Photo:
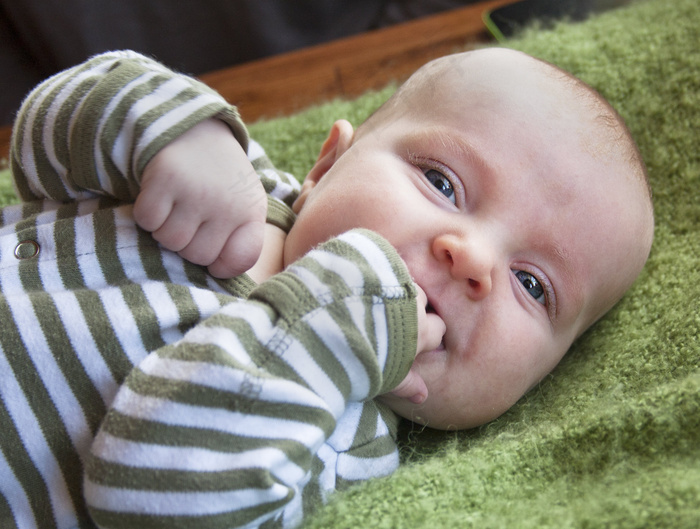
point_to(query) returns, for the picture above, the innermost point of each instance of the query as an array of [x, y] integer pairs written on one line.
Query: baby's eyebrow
[[452, 141]]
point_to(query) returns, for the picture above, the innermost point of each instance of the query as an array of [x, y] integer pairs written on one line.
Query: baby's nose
[[467, 260]]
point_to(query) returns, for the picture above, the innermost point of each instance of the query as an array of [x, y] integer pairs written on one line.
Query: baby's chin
[[431, 415], [400, 406], [438, 413], [422, 414]]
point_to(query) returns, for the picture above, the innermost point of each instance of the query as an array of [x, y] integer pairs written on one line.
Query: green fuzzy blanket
[[612, 437]]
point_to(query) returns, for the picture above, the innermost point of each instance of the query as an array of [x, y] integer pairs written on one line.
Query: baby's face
[[511, 213]]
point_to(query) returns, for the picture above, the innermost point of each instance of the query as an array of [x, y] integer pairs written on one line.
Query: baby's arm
[[225, 427], [102, 127], [91, 130]]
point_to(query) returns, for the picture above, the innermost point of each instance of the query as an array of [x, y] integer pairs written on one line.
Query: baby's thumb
[[412, 388]]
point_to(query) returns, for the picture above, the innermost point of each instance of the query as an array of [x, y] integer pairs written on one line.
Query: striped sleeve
[[93, 128], [225, 428], [282, 188]]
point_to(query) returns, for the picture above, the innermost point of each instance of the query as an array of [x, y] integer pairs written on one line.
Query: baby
[[435, 264], [520, 205], [516, 197]]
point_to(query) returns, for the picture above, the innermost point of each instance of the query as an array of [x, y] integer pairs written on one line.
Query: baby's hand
[[431, 329], [200, 197]]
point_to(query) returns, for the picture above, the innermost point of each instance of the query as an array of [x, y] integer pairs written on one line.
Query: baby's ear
[[338, 141]]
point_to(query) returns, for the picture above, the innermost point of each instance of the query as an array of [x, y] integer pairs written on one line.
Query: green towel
[[612, 437]]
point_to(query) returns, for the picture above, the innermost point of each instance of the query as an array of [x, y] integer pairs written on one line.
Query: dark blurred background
[[41, 37]]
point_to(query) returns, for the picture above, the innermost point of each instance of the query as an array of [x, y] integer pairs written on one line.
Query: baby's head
[[519, 203]]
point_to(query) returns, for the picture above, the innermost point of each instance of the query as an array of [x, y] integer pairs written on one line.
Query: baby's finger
[[151, 210], [412, 388], [240, 252], [431, 330], [421, 298], [206, 243], [177, 231]]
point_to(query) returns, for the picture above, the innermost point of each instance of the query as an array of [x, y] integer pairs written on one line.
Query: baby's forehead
[[503, 73], [524, 87]]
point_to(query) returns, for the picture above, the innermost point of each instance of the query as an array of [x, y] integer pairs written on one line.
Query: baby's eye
[[441, 183], [532, 285]]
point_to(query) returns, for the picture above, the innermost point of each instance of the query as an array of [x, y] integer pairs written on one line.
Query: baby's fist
[[200, 197]]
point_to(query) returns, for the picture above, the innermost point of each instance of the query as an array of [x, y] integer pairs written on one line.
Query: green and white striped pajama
[[138, 391]]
